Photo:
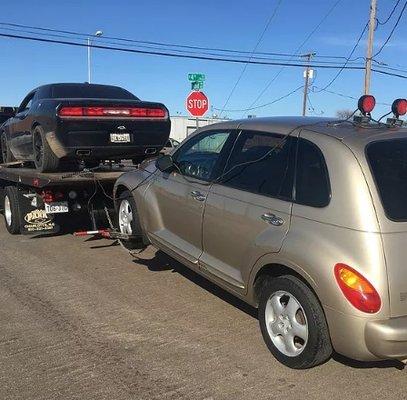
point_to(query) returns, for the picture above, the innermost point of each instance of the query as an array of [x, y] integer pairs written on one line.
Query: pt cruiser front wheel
[[128, 221], [293, 323]]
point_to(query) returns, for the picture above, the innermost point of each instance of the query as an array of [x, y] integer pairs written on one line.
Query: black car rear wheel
[[44, 158], [6, 155]]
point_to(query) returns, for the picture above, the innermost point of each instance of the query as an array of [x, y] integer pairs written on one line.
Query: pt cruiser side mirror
[[165, 163]]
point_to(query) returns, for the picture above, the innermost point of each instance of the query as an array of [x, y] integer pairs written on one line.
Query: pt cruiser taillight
[[357, 289], [113, 112]]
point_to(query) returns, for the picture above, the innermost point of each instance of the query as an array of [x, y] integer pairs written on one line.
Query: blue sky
[[227, 24]]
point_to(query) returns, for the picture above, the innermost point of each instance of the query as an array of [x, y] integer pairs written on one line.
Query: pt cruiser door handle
[[272, 219], [198, 195]]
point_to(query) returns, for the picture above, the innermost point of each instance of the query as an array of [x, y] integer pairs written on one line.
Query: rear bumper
[[387, 338], [96, 145], [367, 339], [110, 152]]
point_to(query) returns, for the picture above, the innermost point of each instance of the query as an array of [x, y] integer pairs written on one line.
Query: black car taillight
[[120, 112]]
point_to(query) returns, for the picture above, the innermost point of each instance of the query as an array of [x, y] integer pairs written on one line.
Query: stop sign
[[197, 104]]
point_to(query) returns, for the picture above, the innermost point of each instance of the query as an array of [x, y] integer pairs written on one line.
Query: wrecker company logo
[[38, 220]]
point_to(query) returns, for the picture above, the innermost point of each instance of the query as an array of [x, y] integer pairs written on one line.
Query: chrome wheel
[[286, 323], [7, 210], [125, 217]]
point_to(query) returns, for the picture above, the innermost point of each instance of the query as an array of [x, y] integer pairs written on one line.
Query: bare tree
[[344, 114]]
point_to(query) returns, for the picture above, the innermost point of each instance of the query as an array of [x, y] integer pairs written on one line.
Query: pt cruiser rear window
[[388, 162]]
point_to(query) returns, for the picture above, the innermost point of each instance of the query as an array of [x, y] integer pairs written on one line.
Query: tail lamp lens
[[126, 112], [399, 107], [357, 289], [70, 112], [366, 104]]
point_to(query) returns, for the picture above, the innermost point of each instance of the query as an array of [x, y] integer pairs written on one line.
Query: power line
[[273, 14], [345, 65], [184, 56], [324, 18], [167, 54], [345, 95], [140, 43], [393, 30], [266, 104], [389, 73], [384, 65], [390, 15], [101, 41], [153, 43]]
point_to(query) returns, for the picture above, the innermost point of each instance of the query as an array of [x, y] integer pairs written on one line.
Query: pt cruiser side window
[[312, 180], [200, 156], [262, 163]]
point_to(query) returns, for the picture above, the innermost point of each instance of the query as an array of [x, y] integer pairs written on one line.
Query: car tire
[[44, 158], [128, 221], [11, 210], [293, 323], [6, 155]]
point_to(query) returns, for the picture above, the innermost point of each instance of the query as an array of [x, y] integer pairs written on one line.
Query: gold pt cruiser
[[303, 218]]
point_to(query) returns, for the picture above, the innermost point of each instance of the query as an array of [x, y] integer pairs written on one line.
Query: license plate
[[120, 137], [56, 208]]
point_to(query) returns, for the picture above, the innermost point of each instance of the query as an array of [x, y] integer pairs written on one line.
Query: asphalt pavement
[[81, 319]]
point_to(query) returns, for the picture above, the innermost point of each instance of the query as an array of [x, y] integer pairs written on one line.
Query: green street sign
[[196, 77], [196, 85]]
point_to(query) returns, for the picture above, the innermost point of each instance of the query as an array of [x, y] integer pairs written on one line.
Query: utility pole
[[369, 53], [89, 68], [89, 46], [307, 74]]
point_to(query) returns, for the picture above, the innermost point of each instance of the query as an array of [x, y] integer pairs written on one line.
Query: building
[[182, 125]]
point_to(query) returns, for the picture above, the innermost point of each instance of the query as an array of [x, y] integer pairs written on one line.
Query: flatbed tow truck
[[35, 203]]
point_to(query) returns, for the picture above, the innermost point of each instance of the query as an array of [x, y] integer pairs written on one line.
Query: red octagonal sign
[[197, 104]]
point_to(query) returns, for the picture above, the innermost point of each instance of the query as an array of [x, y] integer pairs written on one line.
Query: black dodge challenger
[[80, 121]]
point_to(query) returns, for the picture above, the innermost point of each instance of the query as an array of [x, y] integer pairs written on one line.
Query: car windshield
[[91, 92], [388, 162]]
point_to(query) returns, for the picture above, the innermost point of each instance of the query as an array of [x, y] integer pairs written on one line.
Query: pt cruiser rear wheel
[[293, 323]]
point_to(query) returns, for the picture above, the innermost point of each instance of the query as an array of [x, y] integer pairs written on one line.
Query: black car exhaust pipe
[[83, 153], [150, 150]]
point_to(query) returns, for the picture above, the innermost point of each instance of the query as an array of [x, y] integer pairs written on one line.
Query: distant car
[[78, 121], [6, 113], [304, 218], [170, 145]]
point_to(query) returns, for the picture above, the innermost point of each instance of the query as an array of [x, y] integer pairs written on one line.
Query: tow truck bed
[[34, 202], [14, 172]]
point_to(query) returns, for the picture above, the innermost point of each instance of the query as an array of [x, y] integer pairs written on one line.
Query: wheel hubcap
[[125, 217], [7, 210], [286, 323]]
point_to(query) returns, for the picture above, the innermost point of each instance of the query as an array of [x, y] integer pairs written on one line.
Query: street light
[[97, 34]]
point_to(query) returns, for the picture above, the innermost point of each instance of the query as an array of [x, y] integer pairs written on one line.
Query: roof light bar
[[399, 107], [366, 104]]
